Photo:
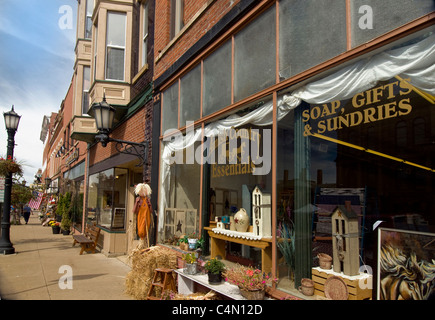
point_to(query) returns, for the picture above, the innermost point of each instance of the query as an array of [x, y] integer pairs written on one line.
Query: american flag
[[36, 201]]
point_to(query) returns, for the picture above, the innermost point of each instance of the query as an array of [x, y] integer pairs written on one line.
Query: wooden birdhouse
[[345, 240], [261, 213]]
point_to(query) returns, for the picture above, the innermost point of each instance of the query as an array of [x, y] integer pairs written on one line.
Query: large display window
[[107, 199], [367, 141]]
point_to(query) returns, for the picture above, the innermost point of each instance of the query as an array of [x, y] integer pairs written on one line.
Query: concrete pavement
[[45, 266]]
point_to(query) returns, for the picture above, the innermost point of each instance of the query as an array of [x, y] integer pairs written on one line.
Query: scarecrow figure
[[142, 208]]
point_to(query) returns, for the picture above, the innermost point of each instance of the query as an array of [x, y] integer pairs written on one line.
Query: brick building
[[321, 105], [114, 52]]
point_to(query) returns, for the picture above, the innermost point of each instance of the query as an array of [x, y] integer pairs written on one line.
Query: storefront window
[[170, 108], [190, 100], [371, 18], [217, 80], [180, 194], [107, 198], [254, 56], [372, 149], [308, 36]]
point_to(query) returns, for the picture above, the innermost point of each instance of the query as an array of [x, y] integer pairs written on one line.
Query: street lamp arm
[[140, 150]]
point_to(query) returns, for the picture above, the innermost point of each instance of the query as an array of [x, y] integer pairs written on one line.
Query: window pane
[[86, 86], [308, 36], [170, 108], [119, 198], [105, 198], [145, 35], [255, 52], [116, 29], [115, 64], [217, 80], [88, 26], [190, 96], [181, 193], [383, 174], [372, 18]]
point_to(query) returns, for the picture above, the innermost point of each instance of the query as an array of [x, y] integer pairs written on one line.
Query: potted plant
[[251, 282], [214, 268], [190, 263], [192, 240], [55, 226], [183, 243]]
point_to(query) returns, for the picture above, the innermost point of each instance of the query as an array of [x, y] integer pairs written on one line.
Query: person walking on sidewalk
[[26, 213]]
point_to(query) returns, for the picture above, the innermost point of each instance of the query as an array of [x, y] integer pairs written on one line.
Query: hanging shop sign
[[72, 157]]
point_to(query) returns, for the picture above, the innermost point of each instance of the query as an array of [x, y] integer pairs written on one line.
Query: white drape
[[415, 62]]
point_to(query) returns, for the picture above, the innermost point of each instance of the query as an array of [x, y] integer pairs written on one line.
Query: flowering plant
[[214, 266], [189, 258], [248, 278], [9, 165], [54, 224]]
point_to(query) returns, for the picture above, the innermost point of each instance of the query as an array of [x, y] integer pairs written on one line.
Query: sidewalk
[[34, 272]]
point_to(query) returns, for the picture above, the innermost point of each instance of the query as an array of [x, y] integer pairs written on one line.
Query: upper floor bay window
[[88, 22], [115, 46], [86, 86]]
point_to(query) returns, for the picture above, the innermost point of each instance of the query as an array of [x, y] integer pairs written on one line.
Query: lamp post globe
[[12, 119], [104, 115]]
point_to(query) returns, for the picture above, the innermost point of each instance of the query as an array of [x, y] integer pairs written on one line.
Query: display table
[[217, 244], [186, 285]]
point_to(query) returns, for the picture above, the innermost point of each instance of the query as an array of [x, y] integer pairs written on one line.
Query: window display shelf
[[218, 247]]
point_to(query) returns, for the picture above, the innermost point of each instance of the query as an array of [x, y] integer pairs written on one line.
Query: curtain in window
[[415, 61]]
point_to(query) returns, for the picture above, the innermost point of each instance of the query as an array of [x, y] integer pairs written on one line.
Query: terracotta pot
[[241, 220], [325, 261], [307, 287]]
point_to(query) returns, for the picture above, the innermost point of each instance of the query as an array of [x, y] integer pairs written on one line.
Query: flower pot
[[190, 268], [183, 246], [55, 229], [241, 220], [65, 232], [192, 243], [214, 278], [325, 261], [307, 287], [253, 294]]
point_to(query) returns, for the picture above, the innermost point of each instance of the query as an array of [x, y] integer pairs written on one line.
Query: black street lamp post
[[12, 120]]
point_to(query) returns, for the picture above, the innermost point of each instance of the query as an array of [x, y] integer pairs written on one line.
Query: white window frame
[[115, 46], [95, 51], [85, 90], [88, 15]]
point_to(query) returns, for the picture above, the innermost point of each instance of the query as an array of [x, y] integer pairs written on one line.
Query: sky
[[37, 40]]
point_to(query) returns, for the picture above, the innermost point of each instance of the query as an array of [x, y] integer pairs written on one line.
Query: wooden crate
[[355, 291]]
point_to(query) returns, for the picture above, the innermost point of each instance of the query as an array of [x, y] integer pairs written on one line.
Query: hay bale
[[144, 262]]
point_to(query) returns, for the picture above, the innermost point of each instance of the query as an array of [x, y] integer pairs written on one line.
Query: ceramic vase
[[241, 220]]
